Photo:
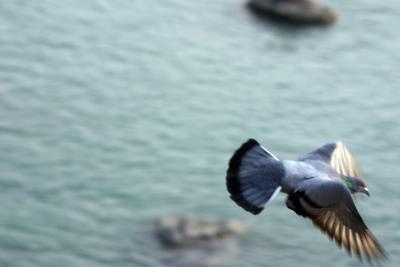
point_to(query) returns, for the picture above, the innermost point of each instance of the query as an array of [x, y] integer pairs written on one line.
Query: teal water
[[113, 113]]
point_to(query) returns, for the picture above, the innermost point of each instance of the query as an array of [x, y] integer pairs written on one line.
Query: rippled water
[[113, 113]]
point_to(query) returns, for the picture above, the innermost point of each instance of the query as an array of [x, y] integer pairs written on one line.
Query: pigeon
[[319, 185]]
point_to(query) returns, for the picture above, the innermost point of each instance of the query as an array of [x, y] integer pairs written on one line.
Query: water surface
[[113, 113]]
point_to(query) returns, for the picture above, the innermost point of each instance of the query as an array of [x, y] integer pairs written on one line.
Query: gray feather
[[254, 176], [325, 192], [322, 153]]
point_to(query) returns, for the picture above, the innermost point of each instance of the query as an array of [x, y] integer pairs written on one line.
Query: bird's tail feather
[[253, 177]]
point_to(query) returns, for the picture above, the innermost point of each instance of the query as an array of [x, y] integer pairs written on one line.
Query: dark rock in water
[[188, 231], [198, 242], [295, 11]]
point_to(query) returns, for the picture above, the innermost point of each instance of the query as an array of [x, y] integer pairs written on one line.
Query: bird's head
[[355, 184]]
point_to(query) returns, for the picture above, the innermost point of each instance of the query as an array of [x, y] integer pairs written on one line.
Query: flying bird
[[319, 186]]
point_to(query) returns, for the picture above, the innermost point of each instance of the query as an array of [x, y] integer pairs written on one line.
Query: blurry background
[[113, 113]]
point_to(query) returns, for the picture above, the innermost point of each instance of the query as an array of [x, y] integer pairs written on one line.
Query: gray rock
[[198, 242], [296, 11], [189, 231]]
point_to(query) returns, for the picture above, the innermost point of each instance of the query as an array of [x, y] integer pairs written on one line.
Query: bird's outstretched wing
[[338, 156], [329, 205]]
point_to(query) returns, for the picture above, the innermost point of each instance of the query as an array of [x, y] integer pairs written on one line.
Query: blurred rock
[[295, 11], [198, 242], [189, 231]]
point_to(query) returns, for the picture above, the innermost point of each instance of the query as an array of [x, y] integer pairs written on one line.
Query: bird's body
[[298, 171], [319, 186]]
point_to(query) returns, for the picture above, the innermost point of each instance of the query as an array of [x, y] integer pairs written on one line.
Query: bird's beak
[[365, 191]]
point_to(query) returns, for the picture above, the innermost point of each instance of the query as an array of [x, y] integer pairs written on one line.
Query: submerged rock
[[198, 242], [296, 11], [189, 231]]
